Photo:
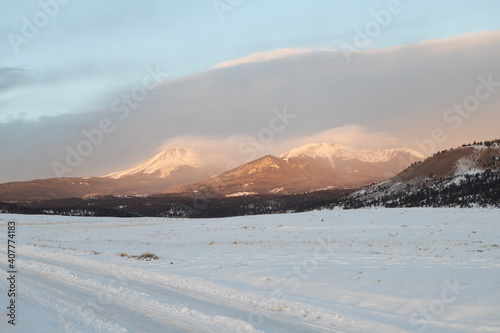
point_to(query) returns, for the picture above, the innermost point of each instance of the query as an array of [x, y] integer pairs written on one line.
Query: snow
[[164, 163], [466, 166], [277, 190], [240, 194], [370, 270], [326, 188], [330, 152], [459, 177]]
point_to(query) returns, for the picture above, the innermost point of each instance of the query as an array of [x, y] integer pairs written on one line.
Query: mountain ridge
[[184, 169], [364, 155], [459, 176], [311, 167], [467, 176]]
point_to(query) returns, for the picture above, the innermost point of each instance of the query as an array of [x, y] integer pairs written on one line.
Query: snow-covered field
[[373, 270]]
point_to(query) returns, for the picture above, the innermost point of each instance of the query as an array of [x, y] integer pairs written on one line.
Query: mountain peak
[[163, 163], [331, 151], [311, 148], [266, 162]]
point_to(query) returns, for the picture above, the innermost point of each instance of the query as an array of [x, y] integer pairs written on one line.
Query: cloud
[[262, 56], [226, 152], [220, 150], [28, 94], [401, 92], [11, 77], [237, 149], [354, 135]]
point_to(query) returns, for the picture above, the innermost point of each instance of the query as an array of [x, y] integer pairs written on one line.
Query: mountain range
[[308, 168], [465, 176]]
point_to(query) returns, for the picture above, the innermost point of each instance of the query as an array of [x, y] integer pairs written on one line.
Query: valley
[[366, 270]]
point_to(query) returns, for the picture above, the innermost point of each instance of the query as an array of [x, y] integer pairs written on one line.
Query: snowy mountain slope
[[456, 176], [162, 164], [164, 170], [354, 166], [373, 270], [333, 152]]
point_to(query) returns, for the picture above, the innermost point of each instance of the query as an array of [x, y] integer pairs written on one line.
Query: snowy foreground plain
[[373, 270]]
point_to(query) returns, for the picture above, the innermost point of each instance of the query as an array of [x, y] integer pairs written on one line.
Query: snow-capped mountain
[[467, 174], [158, 174], [309, 168], [354, 167], [332, 153], [163, 164]]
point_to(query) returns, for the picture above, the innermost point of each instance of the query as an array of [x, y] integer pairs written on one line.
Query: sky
[[90, 88]]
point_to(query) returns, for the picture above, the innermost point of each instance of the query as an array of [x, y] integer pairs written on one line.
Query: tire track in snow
[[223, 317], [70, 303], [141, 304], [67, 304], [218, 303], [139, 311]]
